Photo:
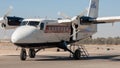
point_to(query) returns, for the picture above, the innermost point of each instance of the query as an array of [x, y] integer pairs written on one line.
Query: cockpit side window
[[42, 26]]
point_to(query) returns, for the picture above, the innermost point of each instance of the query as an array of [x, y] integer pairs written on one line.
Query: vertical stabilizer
[[93, 8]]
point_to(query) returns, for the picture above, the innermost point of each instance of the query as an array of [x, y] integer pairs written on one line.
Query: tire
[[58, 50], [23, 55], [32, 53], [77, 54]]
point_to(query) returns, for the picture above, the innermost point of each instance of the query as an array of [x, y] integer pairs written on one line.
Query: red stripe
[[57, 29]]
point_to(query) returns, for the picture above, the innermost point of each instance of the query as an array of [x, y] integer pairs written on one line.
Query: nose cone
[[22, 34]]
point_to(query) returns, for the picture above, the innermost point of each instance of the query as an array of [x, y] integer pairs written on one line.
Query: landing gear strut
[[76, 52], [23, 54]]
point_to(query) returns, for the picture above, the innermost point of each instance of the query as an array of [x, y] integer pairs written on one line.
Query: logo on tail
[[93, 5]]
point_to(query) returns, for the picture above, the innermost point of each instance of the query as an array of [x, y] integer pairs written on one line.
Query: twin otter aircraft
[[37, 34]]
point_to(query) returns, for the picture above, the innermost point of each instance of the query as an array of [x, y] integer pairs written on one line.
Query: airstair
[[84, 52]]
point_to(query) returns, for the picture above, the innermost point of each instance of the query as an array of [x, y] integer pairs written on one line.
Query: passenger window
[[42, 26]]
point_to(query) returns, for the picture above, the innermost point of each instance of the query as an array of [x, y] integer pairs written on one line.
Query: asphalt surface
[[100, 57], [61, 60]]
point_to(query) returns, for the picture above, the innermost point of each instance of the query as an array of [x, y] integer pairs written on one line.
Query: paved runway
[[100, 57], [60, 60]]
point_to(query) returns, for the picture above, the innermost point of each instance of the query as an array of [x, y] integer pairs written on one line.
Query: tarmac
[[100, 57]]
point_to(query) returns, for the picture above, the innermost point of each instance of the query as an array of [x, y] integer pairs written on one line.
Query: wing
[[64, 21], [107, 19], [99, 20], [88, 20], [68, 21]]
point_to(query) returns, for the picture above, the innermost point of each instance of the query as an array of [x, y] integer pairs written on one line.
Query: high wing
[[74, 20], [107, 19], [89, 20], [64, 21], [99, 20]]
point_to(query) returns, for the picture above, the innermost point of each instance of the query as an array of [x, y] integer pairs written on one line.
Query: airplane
[[37, 34]]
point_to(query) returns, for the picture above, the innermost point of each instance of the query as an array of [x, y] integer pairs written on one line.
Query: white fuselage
[[46, 31], [34, 34], [31, 34]]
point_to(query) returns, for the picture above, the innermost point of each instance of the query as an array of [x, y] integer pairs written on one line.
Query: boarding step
[[84, 52]]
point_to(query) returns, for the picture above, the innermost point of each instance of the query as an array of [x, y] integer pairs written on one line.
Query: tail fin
[[93, 8], [93, 12]]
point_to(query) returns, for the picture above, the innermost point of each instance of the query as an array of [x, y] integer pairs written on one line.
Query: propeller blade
[[83, 12], [8, 11], [75, 20], [64, 15]]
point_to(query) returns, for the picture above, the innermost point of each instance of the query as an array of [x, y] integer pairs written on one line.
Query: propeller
[[83, 12], [8, 11], [3, 20], [74, 18], [64, 15], [75, 21]]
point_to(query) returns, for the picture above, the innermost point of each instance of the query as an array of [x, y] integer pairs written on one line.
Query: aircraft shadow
[[66, 58], [53, 58], [105, 57]]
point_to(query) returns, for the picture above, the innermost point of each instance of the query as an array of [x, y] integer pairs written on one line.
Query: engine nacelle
[[86, 20], [10, 22]]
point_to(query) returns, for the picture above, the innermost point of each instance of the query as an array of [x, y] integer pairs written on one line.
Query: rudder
[[93, 8]]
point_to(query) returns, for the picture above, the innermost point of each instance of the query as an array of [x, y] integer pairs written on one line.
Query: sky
[[50, 9]]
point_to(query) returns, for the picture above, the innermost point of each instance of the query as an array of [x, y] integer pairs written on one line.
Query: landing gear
[[77, 54], [78, 51], [58, 50], [32, 53], [23, 54]]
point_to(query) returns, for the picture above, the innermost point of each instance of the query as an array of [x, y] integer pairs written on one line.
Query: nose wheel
[[32, 53], [23, 54]]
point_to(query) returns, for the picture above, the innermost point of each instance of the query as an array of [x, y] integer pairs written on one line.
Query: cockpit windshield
[[31, 23], [24, 23]]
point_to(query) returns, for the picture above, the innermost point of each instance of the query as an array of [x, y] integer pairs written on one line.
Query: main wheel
[[32, 53], [23, 54], [77, 54], [58, 50]]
